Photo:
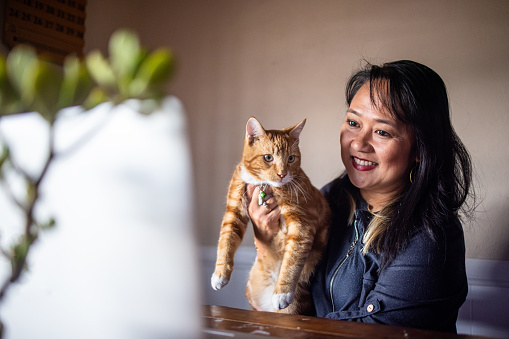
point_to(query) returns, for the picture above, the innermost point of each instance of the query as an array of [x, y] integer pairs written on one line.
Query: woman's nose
[[361, 142]]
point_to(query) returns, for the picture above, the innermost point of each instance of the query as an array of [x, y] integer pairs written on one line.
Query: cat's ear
[[295, 130], [253, 130]]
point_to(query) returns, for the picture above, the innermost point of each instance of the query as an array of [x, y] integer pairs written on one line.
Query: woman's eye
[[352, 123], [291, 158], [268, 157], [382, 133]]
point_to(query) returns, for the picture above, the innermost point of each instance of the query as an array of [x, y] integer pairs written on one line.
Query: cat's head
[[271, 156]]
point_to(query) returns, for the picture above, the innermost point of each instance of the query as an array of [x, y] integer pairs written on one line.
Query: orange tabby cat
[[278, 281]]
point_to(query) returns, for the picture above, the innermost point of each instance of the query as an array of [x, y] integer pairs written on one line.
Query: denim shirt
[[423, 287]]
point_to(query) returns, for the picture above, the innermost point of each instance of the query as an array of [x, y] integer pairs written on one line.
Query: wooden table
[[224, 322]]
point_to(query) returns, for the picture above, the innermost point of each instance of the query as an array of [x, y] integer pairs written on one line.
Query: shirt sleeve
[[423, 287]]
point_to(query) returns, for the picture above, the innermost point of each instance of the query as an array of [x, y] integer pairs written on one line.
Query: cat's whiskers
[[292, 189], [299, 185], [296, 186]]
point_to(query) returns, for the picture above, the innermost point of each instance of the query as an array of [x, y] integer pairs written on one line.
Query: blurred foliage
[[29, 83]]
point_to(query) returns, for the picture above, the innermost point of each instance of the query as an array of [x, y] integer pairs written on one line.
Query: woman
[[396, 253]]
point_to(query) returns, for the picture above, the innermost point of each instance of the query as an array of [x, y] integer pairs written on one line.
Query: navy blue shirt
[[423, 287]]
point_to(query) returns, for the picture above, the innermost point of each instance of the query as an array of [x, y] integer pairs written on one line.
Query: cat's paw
[[282, 300], [218, 282]]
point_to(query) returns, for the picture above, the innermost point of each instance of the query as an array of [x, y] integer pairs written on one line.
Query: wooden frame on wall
[[55, 28]]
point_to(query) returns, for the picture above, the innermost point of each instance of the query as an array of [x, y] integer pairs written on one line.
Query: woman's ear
[[416, 153]]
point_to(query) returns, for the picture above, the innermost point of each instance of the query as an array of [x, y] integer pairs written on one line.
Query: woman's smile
[[363, 165]]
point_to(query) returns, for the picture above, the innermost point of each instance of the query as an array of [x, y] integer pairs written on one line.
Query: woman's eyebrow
[[352, 111], [382, 121]]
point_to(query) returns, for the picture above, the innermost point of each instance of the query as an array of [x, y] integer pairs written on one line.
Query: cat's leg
[[298, 246], [320, 243], [232, 231], [303, 303]]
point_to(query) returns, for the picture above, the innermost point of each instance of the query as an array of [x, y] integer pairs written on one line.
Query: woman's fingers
[[250, 191], [265, 216], [267, 200], [253, 208], [259, 213]]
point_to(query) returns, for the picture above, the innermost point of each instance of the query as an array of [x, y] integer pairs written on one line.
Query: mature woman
[[396, 253]]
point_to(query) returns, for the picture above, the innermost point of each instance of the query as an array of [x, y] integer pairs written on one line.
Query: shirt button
[[370, 308]]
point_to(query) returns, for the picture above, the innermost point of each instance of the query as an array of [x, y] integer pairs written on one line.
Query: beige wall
[[284, 60]]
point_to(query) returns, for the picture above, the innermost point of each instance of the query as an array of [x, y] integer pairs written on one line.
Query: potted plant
[[29, 83]]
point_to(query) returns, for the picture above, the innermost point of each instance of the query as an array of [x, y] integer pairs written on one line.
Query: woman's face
[[377, 150]]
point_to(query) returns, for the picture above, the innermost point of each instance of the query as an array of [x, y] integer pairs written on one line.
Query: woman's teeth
[[364, 162]]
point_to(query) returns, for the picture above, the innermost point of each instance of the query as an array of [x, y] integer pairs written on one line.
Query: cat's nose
[[282, 174]]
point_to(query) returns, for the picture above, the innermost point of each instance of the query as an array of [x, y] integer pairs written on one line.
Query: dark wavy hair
[[441, 179]]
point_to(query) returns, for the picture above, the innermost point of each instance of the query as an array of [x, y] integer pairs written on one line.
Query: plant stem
[[30, 235]]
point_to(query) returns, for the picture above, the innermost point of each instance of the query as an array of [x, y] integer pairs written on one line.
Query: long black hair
[[441, 179]]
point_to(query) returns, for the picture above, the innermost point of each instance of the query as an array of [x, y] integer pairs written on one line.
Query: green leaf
[[100, 70], [126, 55], [47, 85], [22, 64], [97, 96], [48, 224], [124, 48], [85, 85], [10, 101], [155, 69], [76, 84]]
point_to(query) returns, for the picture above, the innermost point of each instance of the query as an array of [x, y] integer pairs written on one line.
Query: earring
[[411, 172]]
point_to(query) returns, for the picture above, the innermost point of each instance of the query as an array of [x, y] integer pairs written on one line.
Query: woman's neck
[[377, 201]]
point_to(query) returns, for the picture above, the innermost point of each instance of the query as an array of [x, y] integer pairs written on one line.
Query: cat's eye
[[291, 158], [268, 157]]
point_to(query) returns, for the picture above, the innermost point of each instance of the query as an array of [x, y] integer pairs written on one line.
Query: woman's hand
[[265, 218]]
